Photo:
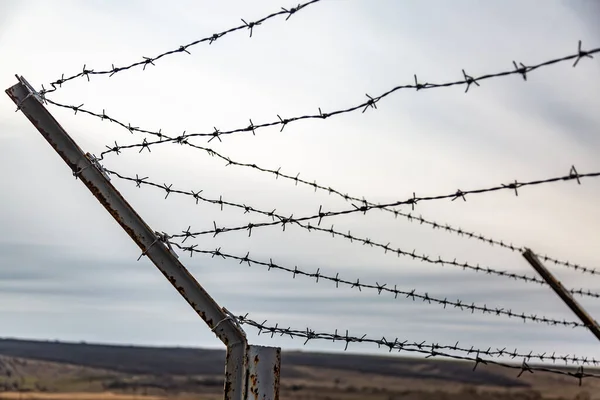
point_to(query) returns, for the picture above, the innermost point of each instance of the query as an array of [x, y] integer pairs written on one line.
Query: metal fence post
[[263, 372], [86, 168], [563, 293]]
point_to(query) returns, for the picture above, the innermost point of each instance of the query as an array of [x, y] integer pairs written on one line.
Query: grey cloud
[[308, 303], [565, 114], [9, 10], [72, 271], [588, 11]]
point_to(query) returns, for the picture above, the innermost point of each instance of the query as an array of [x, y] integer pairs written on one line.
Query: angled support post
[[563, 293], [155, 246]]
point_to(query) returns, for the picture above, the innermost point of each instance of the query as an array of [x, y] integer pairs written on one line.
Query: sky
[[68, 271]]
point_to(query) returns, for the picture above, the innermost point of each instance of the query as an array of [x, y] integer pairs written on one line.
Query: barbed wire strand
[[371, 102], [86, 72], [183, 139], [409, 216], [498, 352], [277, 219], [308, 334], [430, 349], [410, 294]]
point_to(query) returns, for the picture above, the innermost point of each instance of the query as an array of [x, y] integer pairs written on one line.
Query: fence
[[246, 376]]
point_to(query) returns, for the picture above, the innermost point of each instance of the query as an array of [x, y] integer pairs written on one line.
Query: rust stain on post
[[254, 386], [263, 372]]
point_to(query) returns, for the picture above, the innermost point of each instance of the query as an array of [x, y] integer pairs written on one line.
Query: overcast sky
[[68, 271]]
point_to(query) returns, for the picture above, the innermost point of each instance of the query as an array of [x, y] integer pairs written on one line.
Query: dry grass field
[[74, 396], [59, 371]]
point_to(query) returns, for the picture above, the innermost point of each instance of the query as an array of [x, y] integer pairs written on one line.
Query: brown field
[[74, 396], [59, 371]]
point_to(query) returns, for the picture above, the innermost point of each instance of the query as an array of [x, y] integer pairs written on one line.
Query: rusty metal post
[[86, 168], [264, 370], [563, 293]]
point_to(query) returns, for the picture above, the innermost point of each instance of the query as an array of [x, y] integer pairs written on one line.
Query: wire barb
[[581, 54]]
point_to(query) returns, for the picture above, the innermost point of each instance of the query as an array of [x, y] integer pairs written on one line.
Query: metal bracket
[[32, 93]]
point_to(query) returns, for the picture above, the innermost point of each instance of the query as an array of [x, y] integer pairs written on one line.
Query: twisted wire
[[409, 216], [371, 102], [182, 139], [459, 194], [86, 72], [278, 219], [410, 294], [430, 349]]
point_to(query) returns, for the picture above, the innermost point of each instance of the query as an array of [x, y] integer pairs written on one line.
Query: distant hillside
[[45, 366], [128, 359], [194, 361]]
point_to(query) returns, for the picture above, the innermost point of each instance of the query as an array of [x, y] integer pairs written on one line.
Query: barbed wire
[[380, 288], [528, 357], [409, 216], [429, 349], [278, 219], [459, 194], [371, 102], [183, 140], [86, 72], [432, 350]]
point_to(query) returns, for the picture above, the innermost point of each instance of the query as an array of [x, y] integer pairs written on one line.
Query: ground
[[62, 371]]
